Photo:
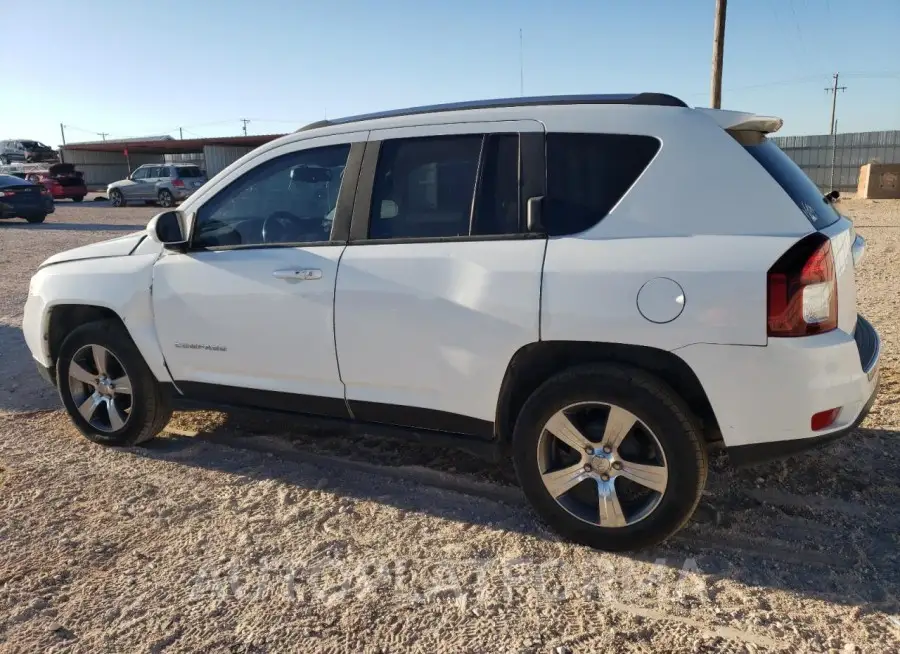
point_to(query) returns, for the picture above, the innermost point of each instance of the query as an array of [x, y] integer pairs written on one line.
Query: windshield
[[188, 171], [33, 144], [801, 189]]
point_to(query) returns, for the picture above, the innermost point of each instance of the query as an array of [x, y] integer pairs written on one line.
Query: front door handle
[[298, 275]]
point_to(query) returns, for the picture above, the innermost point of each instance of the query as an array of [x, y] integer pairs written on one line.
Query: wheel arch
[[534, 363], [63, 318]]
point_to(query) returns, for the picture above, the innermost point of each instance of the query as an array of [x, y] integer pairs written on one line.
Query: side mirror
[[168, 228], [534, 209]]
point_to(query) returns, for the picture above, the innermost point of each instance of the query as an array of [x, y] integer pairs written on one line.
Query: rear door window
[[801, 189], [587, 175], [188, 171]]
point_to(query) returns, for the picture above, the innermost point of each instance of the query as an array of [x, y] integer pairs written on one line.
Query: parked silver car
[[164, 185]]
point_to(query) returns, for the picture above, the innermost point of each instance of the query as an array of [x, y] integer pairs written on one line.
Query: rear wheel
[[610, 457], [36, 219], [106, 387], [116, 198], [78, 198], [165, 199]]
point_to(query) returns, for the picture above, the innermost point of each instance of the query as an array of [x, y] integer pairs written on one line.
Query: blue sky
[[139, 68]]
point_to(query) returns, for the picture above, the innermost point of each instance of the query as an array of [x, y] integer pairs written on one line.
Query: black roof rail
[[657, 99]]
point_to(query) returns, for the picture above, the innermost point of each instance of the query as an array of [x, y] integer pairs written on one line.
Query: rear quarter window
[[587, 174], [790, 177]]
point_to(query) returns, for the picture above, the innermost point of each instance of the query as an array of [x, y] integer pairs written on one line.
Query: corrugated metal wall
[[219, 157], [101, 168], [196, 158], [851, 150]]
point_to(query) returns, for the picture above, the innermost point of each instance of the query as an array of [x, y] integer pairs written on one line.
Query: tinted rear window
[[801, 189], [587, 174], [188, 171]]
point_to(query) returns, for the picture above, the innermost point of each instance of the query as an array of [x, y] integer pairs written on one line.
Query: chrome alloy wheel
[[602, 464], [100, 388]]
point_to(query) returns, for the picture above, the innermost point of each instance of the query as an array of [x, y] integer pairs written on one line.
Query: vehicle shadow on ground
[[832, 548], [71, 227], [21, 388]]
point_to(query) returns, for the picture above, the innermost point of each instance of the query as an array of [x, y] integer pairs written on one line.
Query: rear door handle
[[298, 275]]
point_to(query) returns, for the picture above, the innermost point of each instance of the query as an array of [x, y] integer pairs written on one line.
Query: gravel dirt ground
[[248, 533]]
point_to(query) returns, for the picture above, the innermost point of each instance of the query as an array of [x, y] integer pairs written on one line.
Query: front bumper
[[48, 374], [764, 398]]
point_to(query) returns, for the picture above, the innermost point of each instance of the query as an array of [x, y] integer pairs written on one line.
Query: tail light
[[7, 194], [802, 290], [45, 190], [177, 183]]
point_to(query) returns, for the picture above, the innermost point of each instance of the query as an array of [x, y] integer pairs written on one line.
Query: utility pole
[[103, 135], [180, 135], [834, 91], [718, 55], [245, 121], [833, 150], [62, 132]]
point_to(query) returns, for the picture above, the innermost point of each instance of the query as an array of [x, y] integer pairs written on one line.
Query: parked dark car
[[26, 150], [63, 181], [20, 198]]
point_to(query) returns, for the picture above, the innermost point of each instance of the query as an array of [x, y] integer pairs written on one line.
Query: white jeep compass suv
[[594, 287]]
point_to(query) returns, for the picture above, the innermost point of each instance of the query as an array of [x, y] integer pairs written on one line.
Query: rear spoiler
[[739, 121]]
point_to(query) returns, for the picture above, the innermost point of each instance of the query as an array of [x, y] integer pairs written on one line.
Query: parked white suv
[[594, 287]]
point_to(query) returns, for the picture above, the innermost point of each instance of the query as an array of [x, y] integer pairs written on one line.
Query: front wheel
[[106, 387], [78, 198], [36, 219], [610, 456], [116, 198], [166, 199]]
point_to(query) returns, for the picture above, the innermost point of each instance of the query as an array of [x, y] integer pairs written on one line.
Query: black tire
[[35, 219], [151, 405], [653, 403], [4, 161], [78, 198], [165, 198], [116, 198]]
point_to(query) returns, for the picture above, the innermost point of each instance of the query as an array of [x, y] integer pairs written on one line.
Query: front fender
[[120, 284]]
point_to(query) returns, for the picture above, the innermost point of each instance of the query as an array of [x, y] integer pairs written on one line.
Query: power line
[[763, 85], [797, 25]]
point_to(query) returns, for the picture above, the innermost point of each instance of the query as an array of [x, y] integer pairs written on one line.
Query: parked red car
[[63, 181]]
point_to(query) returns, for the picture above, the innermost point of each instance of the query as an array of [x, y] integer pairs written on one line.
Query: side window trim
[[532, 183], [340, 228], [479, 180]]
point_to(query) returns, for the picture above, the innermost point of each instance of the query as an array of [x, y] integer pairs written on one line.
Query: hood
[[114, 247]]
